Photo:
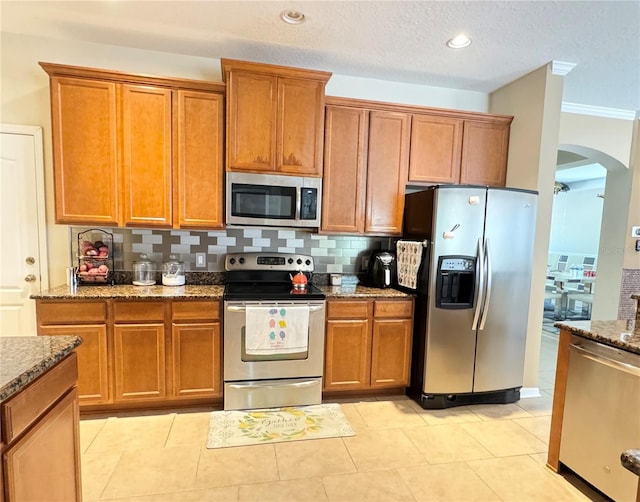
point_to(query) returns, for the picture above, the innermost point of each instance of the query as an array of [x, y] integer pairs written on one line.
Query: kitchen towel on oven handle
[[277, 329], [409, 258]]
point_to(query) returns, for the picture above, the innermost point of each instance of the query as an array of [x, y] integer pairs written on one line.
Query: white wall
[[575, 221]]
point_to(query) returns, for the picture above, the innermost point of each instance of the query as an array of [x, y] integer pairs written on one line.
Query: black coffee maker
[[382, 269]]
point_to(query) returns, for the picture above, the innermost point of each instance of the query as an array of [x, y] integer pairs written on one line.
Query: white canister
[[173, 272]]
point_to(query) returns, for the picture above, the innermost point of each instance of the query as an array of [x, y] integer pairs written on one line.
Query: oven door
[[240, 365]]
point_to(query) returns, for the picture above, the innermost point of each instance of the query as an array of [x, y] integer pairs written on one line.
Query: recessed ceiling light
[[292, 16], [459, 42]]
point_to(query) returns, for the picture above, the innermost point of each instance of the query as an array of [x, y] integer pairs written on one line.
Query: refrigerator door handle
[[487, 300], [479, 285]]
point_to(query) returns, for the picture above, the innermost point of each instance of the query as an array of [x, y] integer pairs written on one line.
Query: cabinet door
[[388, 162], [45, 463], [199, 169], [347, 354], [251, 122], [485, 148], [93, 374], [344, 181], [300, 126], [391, 352], [436, 145], [139, 362], [197, 368], [85, 160], [146, 155]]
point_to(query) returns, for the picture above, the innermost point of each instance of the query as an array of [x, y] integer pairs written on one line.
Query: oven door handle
[[238, 308]]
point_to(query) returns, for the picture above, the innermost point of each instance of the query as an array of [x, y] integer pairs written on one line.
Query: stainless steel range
[[273, 332]]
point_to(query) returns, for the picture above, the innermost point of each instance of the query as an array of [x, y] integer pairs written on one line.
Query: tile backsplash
[[332, 253]]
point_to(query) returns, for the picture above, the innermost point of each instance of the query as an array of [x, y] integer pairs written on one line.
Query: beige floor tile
[[446, 443], [223, 494], [353, 416], [389, 414], [236, 466], [528, 480], [294, 490], [89, 429], [541, 458], [537, 406], [504, 438], [377, 486], [456, 415], [153, 471], [538, 426], [189, 428], [382, 449], [132, 433], [455, 482], [96, 470], [317, 457], [498, 411]]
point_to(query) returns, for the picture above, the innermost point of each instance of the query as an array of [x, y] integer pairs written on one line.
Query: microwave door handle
[[298, 202]]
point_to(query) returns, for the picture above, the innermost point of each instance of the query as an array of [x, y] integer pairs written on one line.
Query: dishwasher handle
[[242, 308], [608, 361]]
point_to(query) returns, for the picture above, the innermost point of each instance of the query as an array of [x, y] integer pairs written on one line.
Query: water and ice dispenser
[[455, 282]]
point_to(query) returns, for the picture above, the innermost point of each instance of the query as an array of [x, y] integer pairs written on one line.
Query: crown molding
[[561, 67], [599, 111]]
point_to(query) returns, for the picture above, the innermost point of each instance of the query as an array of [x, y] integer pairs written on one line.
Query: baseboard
[[526, 392]]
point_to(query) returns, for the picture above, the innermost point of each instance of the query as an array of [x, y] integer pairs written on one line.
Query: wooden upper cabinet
[[436, 144], [199, 164], [127, 148], [146, 155], [299, 134], [251, 122], [485, 148], [388, 161], [344, 181], [274, 118], [85, 151]]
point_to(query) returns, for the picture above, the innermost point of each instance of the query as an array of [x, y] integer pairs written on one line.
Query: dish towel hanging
[[409, 256], [280, 329]]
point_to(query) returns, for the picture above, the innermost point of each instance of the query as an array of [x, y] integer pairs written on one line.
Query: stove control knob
[[307, 262], [241, 260], [232, 261], [290, 261], [299, 261]]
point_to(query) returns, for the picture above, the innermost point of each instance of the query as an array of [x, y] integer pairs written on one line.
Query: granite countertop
[[359, 291], [25, 358], [631, 460], [622, 334], [195, 291], [130, 291]]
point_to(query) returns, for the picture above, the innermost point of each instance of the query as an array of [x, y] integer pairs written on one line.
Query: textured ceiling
[[388, 40]]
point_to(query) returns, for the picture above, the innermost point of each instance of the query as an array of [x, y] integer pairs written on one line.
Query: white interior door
[[23, 253]]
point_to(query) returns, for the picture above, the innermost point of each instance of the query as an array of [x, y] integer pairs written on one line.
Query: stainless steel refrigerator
[[473, 290]]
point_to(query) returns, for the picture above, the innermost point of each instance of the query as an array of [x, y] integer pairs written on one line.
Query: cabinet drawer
[[138, 311], [190, 310], [347, 309], [71, 312], [393, 309], [24, 409]]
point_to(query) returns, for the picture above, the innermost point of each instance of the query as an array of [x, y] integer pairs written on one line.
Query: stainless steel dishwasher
[[601, 416]]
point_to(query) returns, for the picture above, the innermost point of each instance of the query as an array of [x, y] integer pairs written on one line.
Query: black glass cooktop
[[270, 291]]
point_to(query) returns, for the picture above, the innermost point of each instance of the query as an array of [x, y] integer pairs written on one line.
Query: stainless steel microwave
[[273, 200]]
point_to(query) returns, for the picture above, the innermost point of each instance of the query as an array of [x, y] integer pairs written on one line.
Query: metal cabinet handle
[[30, 278]]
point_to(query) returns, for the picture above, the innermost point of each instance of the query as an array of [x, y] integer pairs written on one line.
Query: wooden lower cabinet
[[40, 441], [368, 344], [139, 361], [152, 352], [93, 371]]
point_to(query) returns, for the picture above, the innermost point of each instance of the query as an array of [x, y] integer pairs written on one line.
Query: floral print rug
[[274, 425]]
